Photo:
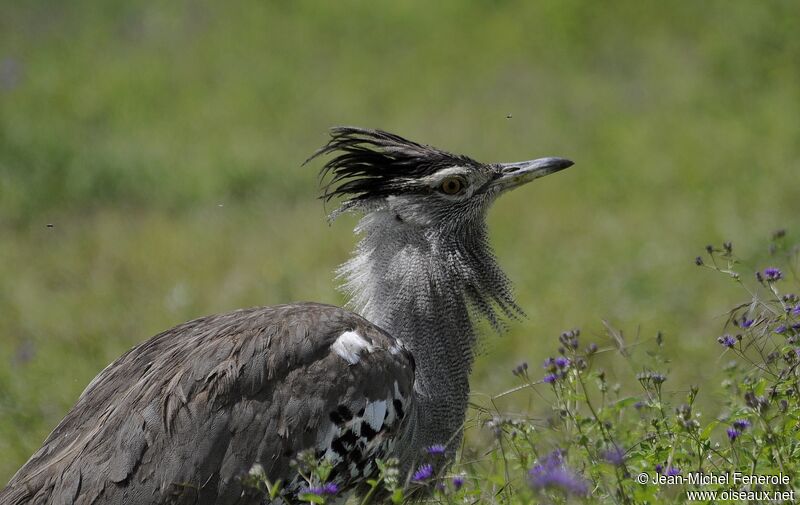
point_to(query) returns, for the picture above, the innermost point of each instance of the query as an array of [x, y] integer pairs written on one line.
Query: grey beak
[[511, 175]]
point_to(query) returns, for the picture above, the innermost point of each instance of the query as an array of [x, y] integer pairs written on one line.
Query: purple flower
[[562, 362], [741, 424], [780, 329], [796, 310], [550, 378], [436, 450], [614, 455], [553, 474], [673, 471], [659, 468], [733, 434], [558, 478], [658, 378], [423, 473], [458, 482], [746, 323], [331, 488], [727, 340], [772, 274]]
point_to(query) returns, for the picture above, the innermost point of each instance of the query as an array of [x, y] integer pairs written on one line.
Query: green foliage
[[601, 438]]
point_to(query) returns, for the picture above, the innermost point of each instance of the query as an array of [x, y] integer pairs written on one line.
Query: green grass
[[127, 125]]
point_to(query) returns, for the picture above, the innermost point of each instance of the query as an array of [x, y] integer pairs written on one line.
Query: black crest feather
[[374, 163]]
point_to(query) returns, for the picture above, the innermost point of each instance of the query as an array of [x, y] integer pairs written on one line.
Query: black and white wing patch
[[360, 431]]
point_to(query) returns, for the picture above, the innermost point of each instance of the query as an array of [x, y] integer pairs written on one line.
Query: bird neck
[[426, 287]]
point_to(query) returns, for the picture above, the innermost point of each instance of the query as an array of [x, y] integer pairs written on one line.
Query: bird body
[[186, 416]]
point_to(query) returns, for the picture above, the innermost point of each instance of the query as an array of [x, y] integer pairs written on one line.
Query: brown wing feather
[[182, 417]]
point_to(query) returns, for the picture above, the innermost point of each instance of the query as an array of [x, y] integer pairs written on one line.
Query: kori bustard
[[185, 416]]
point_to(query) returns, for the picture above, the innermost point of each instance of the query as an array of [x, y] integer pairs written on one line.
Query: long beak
[[512, 175]]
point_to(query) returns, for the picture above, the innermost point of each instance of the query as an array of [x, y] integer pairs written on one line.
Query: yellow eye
[[452, 185]]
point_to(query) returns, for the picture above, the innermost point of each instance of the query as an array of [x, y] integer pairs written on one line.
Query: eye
[[452, 185]]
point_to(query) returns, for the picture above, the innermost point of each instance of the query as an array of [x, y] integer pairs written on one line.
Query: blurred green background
[[162, 142]]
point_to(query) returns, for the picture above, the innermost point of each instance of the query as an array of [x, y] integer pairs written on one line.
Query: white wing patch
[[349, 346], [374, 413], [324, 439]]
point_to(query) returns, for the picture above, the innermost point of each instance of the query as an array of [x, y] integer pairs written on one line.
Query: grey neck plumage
[[426, 287]]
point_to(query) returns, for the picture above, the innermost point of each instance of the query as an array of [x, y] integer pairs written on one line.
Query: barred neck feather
[[426, 287], [396, 267]]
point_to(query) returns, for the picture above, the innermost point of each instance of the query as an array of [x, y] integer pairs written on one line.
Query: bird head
[[420, 185]]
